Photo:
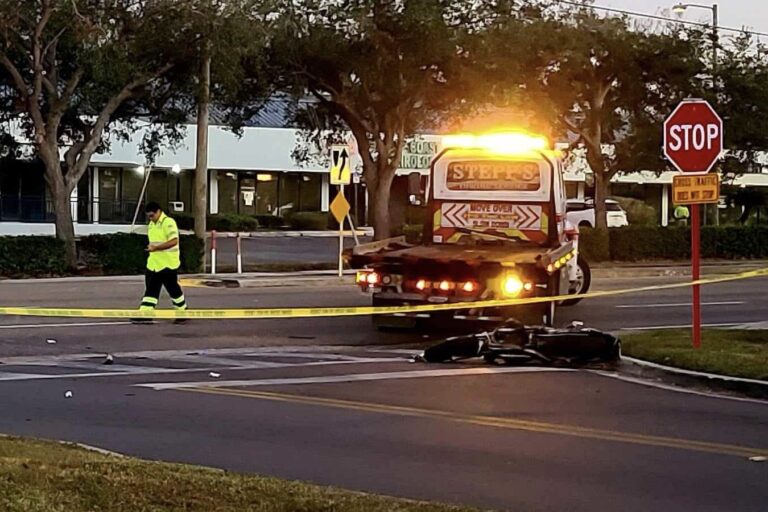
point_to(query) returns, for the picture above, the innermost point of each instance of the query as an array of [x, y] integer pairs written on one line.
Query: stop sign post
[[693, 142]]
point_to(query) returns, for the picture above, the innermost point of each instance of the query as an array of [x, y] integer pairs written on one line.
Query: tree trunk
[[201, 159], [65, 229], [597, 166], [379, 204]]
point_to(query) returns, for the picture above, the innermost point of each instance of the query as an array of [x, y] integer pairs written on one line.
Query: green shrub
[[270, 221], [639, 243], [231, 222], [125, 254], [309, 221], [594, 244], [413, 232], [224, 222], [31, 256], [639, 213]]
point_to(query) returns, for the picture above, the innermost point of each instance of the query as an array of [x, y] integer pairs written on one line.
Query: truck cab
[[495, 233]]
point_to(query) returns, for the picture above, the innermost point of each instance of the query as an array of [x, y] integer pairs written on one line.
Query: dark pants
[[154, 282]]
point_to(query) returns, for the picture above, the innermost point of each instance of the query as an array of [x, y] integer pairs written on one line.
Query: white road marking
[[679, 326], [680, 304], [676, 389], [106, 371], [353, 377], [74, 324]]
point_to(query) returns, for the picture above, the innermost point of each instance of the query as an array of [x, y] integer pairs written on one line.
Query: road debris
[[514, 342], [109, 359], [758, 458], [50, 341], [214, 375], [68, 394]]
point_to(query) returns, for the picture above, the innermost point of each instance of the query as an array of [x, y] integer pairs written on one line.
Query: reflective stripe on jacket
[[161, 231]]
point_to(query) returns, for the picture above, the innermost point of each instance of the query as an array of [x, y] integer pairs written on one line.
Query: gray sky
[[733, 13]]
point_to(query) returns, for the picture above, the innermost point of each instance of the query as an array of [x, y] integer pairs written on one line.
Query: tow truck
[[496, 229]]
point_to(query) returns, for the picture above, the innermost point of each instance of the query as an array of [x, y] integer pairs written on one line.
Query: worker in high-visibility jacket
[[163, 261]]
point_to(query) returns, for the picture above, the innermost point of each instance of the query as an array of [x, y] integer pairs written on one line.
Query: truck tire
[[584, 280]]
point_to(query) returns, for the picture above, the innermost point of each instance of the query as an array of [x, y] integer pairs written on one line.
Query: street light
[[680, 8]]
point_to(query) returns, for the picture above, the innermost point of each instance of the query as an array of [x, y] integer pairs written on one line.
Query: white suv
[[581, 212]]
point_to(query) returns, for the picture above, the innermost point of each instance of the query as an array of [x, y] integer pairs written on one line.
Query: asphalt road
[[331, 401]]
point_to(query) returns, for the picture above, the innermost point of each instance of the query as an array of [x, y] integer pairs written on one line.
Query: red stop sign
[[693, 136]]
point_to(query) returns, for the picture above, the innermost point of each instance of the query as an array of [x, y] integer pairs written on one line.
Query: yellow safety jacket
[[161, 231]]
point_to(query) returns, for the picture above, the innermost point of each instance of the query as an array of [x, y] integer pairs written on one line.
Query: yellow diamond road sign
[[340, 207], [341, 172]]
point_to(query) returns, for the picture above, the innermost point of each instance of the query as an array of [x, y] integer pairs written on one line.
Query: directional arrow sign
[[341, 171]]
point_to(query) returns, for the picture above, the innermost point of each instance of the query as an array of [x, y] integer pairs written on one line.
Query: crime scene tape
[[309, 312]]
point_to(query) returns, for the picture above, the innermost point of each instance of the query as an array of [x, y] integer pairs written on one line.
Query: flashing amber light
[[372, 278], [501, 142], [445, 286], [512, 285], [421, 284], [528, 287], [468, 287]]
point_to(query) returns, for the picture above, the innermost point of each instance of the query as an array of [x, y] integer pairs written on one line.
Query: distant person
[[163, 262], [682, 214]]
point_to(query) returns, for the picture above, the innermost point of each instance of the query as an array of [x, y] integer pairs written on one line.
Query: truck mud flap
[[515, 343]]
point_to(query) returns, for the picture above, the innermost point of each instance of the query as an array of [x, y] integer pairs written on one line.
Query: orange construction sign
[[696, 189]]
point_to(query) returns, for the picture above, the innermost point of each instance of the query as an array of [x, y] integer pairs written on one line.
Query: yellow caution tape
[[351, 311]]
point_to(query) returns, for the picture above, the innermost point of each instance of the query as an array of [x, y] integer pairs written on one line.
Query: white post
[[147, 171], [665, 205], [239, 255], [96, 195], [341, 239], [213, 252]]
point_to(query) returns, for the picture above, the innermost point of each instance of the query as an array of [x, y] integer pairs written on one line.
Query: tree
[[386, 69], [233, 34], [82, 69], [606, 84]]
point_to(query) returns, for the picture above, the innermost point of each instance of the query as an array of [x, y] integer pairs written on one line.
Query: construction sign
[[341, 171], [691, 189]]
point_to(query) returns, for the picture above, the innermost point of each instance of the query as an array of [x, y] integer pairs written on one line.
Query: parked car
[[581, 212]]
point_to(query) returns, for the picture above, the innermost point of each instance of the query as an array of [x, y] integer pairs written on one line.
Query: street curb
[[752, 388]]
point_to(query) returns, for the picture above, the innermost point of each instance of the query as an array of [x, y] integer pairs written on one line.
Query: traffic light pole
[[696, 272]]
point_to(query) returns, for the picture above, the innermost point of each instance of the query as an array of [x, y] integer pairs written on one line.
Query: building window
[[310, 190]]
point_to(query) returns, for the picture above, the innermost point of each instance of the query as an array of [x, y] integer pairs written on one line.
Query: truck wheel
[[582, 283]]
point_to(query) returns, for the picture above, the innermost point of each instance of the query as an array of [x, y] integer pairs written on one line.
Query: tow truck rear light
[[469, 287], [445, 285], [421, 284], [367, 278], [513, 285]]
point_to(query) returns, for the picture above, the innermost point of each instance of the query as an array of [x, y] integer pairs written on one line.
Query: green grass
[[38, 476], [740, 353]]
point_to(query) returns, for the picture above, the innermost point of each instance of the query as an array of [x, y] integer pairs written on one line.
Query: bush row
[[117, 254], [638, 243], [232, 222]]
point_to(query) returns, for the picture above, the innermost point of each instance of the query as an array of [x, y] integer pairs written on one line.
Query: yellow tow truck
[[496, 229]]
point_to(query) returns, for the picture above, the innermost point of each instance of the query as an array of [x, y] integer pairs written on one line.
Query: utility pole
[[201, 155]]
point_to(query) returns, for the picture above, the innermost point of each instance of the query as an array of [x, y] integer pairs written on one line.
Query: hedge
[[117, 254], [40, 256], [224, 222], [309, 221], [638, 243]]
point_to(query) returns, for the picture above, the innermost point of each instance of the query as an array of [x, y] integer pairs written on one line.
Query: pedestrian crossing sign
[[341, 171]]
